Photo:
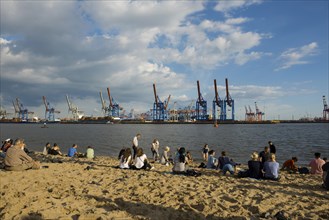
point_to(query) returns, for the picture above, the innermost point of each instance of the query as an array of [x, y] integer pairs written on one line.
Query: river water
[[238, 140]]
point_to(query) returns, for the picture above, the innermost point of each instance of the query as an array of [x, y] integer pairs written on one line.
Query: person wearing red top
[[290, 165], [316, 164]]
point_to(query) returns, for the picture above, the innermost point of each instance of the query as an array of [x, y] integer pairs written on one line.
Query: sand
[[96, 189]]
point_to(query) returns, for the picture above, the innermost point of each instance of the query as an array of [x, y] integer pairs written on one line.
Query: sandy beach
[[96, 189]]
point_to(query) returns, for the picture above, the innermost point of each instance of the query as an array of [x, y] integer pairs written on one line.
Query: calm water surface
[[239, 140]]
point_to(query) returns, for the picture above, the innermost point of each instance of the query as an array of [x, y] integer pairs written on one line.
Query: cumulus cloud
[[226, 5], [297, 56]]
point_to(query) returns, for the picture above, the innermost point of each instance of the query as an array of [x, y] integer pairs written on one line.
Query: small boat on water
[[44, 126]]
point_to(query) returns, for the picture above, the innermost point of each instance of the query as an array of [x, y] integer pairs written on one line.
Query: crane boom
[[68, 102], [199, 93], [102, 100], [165, 107], [109, 94], [228, 97], [45, 102], [155, 94]]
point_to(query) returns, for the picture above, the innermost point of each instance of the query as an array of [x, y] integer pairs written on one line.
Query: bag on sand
[[192, 173], [303, 170], [243, 173]]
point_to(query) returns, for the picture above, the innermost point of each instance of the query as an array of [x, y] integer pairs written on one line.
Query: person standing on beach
[[135, 144], [205, 151], [17, 160], [272, 147], [316, 164], [155, 149]]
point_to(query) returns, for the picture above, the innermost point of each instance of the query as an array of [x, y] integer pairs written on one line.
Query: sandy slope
[[69, 190]]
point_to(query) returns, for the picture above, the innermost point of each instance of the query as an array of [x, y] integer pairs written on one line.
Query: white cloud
[[297, 56], [226, 6]]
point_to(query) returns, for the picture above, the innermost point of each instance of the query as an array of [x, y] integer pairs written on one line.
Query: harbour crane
[[50, 111], [105, 108], [23, 113], [248, 115], [74, 110], [228, 102], [259, 114], [325, 109], [201, 106], [3, 112], [217, 102], [114, 108], [160, 112], [16, 108]]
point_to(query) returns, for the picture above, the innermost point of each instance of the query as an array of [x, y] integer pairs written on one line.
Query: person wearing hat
[[254, 166], [17, 160]]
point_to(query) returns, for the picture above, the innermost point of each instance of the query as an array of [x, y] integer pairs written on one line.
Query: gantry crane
[[114, 108], [74, 110], [217, 102], [16, 108], [23, 113], [325, 109], [249, 116], [259, 114], [50, 111], [201, 106], [3, 113], [228, 102], [160, 112], [105, 108]]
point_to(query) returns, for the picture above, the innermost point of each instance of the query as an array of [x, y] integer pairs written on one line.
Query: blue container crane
[[160, 112], [23, 112], [114, 108], [217, 103], [201, 106], [228, 102], [50, 111]]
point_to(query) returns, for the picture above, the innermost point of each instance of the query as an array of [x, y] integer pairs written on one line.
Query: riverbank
[[96, 189]]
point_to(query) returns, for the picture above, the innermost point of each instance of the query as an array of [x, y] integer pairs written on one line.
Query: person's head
[[139, 152], [294, 159], [182, 154], [212, 152], [138, 136], [223, 153], [254, 156], [206, 145], [325, 159], [167, 148], [317, 155], [47, 144], [127, 153], [20, 142], [270, 143], [272, 157], [55, 145], [266, 149], [90, 147], [155, 140], [75, 146]]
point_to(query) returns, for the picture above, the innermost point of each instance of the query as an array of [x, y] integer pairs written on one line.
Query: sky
[[274, 53]]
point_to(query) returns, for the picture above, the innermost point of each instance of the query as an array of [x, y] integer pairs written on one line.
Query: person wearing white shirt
[[135, 144], [141, 161], [155, 149], [125, 160]]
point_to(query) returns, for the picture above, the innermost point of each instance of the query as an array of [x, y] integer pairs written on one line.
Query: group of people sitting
[[16, 156]]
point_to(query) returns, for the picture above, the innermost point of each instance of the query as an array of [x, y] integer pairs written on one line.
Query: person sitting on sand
[[316, 164], [264, 155], [90, 152], [180, 161], [165, 157], [55, 150], [205, 151], [290, 165], [155, 149], [5, 146], [141, 161], [46, 148], [73, 151], [226, 164], [17, 160], [126, 159], [189, 157], [271, 169], [254, 167], [212, 161]]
